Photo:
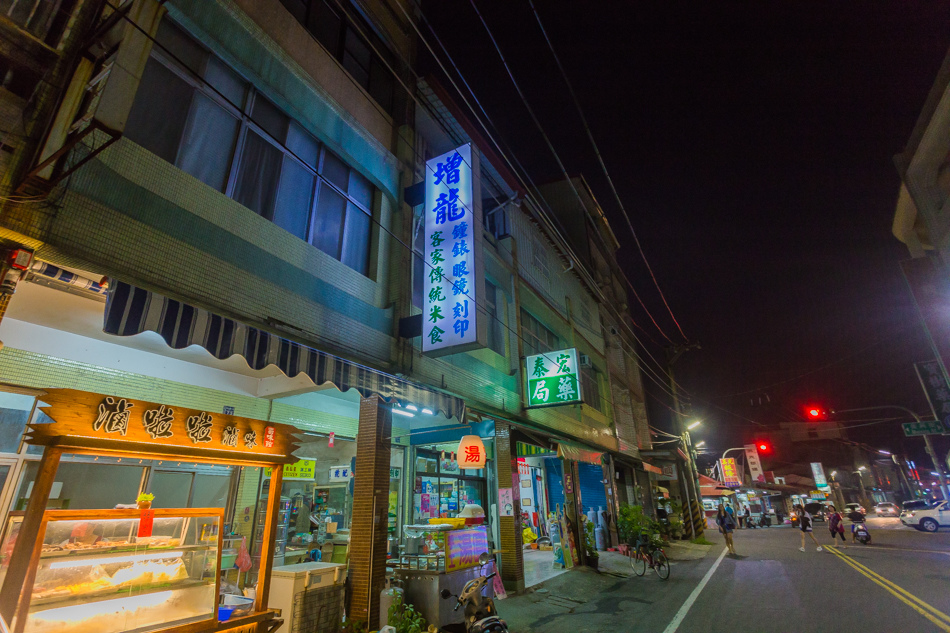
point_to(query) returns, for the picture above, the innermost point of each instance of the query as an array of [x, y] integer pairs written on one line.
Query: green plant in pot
[[404, 617], [590, 543]]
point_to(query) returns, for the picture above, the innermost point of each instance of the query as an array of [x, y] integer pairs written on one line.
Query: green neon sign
[[553, 378]]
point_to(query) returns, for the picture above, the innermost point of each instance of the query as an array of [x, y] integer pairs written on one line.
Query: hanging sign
[[471, 453], [730, 474], [85, 419], [302, 469], [755, 466], [553, 378], [453, 278], [818, 473]]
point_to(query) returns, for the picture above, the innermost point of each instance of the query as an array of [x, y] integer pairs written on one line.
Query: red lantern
[[471, 453]]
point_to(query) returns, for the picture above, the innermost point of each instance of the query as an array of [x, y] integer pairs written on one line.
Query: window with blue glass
[[195, 112]]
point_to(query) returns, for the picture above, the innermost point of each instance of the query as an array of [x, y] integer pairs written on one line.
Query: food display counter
[[138, 569], [440, 557], [106, 571]]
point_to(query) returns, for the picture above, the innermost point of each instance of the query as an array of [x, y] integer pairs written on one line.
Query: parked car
[[927, 519], [851, 507], [817, 510], [887, 510]]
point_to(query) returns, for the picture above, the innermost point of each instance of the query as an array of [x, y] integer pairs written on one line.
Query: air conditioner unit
[[585, 361]]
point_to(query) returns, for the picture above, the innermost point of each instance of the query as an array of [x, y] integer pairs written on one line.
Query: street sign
[[755, 466], [927, 427], [730, 474], [553, 378]]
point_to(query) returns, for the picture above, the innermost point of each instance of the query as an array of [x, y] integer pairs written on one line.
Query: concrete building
[[205, 205]]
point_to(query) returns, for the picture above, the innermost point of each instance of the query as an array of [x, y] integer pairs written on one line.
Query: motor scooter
[[861, 532], [480, 613]]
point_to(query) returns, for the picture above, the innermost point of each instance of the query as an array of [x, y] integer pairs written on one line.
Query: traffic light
[[815, 413], [763, 447]]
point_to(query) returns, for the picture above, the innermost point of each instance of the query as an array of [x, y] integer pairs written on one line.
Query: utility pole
[[690, 477], [929, 445]]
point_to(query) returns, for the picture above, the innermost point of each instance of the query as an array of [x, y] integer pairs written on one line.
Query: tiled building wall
[[509, 528]]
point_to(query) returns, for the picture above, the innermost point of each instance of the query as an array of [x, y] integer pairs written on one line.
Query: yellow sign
[[303, 469]]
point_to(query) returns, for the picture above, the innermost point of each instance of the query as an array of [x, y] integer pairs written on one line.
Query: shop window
[[345, 41], [495, 307], [204, 118], [14, 412], [84, 485], [537, 338]]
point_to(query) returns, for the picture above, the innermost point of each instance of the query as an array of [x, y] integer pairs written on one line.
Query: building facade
[[207, 205]]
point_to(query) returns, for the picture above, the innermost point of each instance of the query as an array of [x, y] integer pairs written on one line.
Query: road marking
[[941, 619], [678, 618], [905, 549]]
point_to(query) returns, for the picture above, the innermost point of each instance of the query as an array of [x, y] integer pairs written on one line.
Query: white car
[[927, 519]]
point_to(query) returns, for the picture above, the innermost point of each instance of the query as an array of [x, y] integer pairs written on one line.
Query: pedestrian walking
[[739, 516], [726, 526], [748, 518], [836, 526], [804, 523]]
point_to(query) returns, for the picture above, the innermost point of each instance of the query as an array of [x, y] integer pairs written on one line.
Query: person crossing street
[[805, 524]]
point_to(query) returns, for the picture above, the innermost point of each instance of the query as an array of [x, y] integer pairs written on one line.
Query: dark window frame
[[243, 114]]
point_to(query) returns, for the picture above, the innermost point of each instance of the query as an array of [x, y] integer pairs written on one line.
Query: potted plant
[[144, 500], [590, 543]]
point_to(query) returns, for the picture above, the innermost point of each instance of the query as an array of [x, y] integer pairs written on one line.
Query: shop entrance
[[540, 474]]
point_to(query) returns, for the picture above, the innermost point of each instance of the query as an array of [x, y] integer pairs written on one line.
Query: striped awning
[[131, 310]]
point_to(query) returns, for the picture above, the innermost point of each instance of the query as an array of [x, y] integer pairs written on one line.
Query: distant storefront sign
[[937, 391], [553, 378], [755, 466], [730, 474]]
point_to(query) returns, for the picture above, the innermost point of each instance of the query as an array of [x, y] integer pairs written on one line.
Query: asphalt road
[[900, 582]]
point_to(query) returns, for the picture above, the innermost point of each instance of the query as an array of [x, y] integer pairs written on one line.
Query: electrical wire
[[603, 166]]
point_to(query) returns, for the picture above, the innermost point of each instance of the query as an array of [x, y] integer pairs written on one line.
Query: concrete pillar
[[509, 528], [370, 510]]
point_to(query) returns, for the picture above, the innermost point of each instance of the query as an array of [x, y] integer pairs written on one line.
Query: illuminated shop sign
[[553, 378]]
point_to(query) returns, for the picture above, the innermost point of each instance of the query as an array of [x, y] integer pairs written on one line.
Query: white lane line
[[681, 614]]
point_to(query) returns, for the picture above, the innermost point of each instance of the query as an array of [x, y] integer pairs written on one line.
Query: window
[[204, 118], [332, 27], [591, 388], [496, 308], [496, 221], [537, 338], [540, 259]]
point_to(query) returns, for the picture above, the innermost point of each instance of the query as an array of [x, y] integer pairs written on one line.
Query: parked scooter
[[861, 532], [480, 613]]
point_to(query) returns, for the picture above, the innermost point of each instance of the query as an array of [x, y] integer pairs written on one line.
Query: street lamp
[[860, 473], [694, 425], [927, 442], [698, 444]]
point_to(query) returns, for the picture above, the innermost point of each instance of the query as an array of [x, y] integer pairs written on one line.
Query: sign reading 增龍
[[553, 378], [453, 277], [96, 421]]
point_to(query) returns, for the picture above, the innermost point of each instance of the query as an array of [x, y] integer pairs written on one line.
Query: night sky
[[752, 144]]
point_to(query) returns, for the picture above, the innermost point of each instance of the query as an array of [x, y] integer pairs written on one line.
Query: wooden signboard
[[102, 423]]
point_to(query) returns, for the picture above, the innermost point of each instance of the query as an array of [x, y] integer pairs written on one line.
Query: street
[[898, 583]]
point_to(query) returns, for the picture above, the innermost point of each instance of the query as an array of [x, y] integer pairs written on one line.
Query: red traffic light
[[763, 447], [815, 412]]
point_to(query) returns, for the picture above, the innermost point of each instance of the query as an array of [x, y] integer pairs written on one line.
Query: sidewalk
[[582, 591]]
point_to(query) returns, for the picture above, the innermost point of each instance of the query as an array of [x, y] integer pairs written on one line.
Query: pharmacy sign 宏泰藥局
[[453, 277], [553, 378]]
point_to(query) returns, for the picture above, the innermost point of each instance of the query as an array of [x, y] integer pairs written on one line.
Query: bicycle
[[649, 554]]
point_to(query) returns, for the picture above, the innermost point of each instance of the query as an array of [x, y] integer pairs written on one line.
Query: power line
[[603, 166]]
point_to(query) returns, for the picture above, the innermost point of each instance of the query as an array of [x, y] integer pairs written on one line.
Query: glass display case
[[107, 571]]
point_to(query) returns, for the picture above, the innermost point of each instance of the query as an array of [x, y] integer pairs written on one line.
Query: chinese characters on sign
[[752, 459], [340, 473], [452, 278], [818, 473], [553, 378], [730, 474], [160, 423], [937, 391], [113, 416]]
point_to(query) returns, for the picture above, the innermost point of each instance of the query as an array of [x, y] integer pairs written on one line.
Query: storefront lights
[[471, 452]]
